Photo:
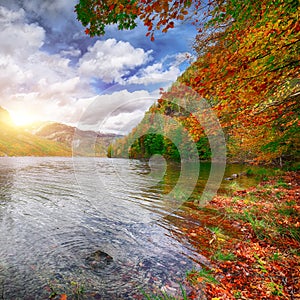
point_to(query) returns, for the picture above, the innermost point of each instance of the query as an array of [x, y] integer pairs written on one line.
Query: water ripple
[[53, 219]]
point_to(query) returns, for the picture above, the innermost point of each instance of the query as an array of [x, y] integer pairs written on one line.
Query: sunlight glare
[[21, 118]]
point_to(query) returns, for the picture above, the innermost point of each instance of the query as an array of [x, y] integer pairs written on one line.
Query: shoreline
[[251, 238]]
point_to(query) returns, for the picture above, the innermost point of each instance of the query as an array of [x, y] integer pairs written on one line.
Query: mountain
[[15, 141], [5, 117], [50, 139], [84, 143]]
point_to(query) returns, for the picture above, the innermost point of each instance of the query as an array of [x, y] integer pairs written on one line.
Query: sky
[[51, 70]]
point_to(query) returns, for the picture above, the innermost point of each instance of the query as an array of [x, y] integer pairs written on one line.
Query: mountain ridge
[[49, 139]]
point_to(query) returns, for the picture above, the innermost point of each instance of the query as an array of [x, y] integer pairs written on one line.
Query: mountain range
[[50, 139]]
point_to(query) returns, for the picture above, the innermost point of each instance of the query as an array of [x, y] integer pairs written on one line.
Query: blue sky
[[50, 70]]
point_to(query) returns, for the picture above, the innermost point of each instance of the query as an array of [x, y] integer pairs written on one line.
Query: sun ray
[[22, 118]]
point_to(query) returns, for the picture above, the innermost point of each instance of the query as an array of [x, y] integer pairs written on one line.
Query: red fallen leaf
[[63, 297]]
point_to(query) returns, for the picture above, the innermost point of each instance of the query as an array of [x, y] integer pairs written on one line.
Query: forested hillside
[[91, 143], [247, 70]]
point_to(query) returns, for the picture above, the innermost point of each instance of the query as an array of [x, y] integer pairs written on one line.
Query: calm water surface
[[56, 212]]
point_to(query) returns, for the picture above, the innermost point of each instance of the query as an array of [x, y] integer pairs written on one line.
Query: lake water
[[56, 212]]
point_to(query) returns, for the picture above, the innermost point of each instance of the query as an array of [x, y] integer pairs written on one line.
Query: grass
[[287, 211], [281, 183], [289, 231], [221, 256], [260, 263], [203, 275], [276, 256], [264, 225], [233, 187], [216, 230], [237, 295], [263, 173], [258, 225], [276, 289]]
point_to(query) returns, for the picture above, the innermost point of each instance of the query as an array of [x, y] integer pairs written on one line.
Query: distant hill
[[86, 143], [5, 117], [50, 139], [15, 141]]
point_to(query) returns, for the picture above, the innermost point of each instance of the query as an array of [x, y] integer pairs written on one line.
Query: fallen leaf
[[63, 297]]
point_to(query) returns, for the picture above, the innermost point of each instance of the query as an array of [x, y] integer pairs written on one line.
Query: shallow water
[[56, 212]]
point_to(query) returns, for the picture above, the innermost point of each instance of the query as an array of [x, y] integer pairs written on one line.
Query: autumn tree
[[247, 65], [96, 15]]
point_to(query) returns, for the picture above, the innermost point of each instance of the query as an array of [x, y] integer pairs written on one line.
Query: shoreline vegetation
[[251, 238]]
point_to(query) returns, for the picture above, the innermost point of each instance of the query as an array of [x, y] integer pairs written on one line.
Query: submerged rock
[[233, 176], [98, 260]]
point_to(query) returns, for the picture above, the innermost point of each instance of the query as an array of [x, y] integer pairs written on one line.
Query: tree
[[247, 66], [95, 15]]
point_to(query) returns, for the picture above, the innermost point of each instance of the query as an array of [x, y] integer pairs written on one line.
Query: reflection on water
[[56, 212]]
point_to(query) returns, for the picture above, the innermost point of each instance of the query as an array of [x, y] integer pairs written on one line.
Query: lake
[[56, 213]]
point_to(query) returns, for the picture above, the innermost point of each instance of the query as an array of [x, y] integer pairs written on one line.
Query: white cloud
[[111, 60], [165, 71], [155, 74], [19, 39], [50, 87], [184, 57], [54, 12], [31, 79], [11, 75], [8, 16], [20, 53], [51, 6], [34, 82], [122, 123], [118, 112], [30, 104], [71, 52]]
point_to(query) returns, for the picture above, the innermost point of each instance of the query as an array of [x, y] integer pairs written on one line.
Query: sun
[[21, 118]]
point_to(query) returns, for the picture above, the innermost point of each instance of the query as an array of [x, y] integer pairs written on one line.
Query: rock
[[99, 260], [233, 176]]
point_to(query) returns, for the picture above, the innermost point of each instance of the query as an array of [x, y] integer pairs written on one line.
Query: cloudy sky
[[50, 70]]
